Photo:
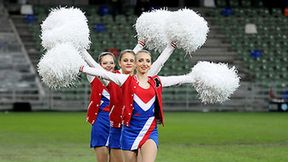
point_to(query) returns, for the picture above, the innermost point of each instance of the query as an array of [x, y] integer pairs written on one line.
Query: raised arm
[[175, 80], [159, 63], [139, 46], [119, 79], [91, 62], [89, 59]]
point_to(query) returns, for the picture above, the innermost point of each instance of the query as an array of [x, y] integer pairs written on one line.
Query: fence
[[249, 97]]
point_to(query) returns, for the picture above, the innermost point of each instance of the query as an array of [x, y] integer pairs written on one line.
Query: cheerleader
[[98, 109], [142, 106], [126, 62]]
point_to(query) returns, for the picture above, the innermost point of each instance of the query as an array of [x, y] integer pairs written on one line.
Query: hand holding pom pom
[[59, 67], [150, 26], [214, 82], [187, 29], [81, 68]]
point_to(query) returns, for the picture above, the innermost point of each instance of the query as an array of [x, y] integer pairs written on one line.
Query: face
[[143, 62], [107, 62], [127, 63]]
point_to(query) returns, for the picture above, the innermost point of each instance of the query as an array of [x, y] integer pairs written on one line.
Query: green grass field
[[186, 137]]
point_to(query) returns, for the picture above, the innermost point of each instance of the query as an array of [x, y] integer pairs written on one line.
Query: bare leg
[[139, 156], [129, 156], [102, 154], [149, 151], [116, 155]]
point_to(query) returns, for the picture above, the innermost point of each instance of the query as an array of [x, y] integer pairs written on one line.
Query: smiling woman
[[99, 108], [143, 61], [107, 61], [127, 62], [142, 96]]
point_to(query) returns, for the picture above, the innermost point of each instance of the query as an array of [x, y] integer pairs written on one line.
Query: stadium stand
[[270, 42], [18, 80], [227, 42]]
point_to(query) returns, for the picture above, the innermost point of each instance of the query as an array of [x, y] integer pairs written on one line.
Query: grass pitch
[[186, 137]]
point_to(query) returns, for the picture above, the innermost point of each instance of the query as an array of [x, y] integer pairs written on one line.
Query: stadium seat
[[99, 27], [227, 11], [271, 39], [286, 11], [103, 10]]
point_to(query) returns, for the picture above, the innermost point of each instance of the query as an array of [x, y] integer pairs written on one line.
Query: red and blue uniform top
[[99, 100], [116, 104], [129, 89]]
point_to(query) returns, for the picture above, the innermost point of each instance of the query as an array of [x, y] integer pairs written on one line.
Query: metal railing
[[249, 97]]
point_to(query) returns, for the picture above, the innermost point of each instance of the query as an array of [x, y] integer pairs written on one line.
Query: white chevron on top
[[106, 94], [144, 106]]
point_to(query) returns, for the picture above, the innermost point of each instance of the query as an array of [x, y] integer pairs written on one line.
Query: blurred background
[[248, 34]]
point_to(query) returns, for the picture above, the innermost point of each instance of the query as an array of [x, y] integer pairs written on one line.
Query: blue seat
[[99, 27], [103, 10], [255, 54]]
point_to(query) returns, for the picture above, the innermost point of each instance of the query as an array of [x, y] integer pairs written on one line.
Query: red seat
[[115, 51], [286, 11]]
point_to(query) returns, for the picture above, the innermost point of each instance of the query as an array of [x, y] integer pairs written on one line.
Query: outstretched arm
[[89, 59], [139, 46], [175, 80], [159, 63], [119, 79], [91, 62]]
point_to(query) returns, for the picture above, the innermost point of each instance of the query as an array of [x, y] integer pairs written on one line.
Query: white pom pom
[[59, 67], [150, 27], [65, 25], [188, 29], [214, 82]]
